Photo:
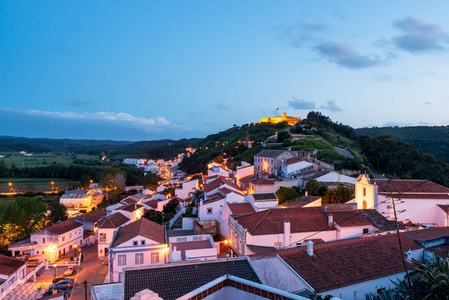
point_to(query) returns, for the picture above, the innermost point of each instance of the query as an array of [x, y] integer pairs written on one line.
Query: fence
[[21, 281], [176, 217]]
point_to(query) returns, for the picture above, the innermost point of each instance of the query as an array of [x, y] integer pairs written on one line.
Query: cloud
[[78, 102], [302, 32], [419, 37], [400, 124], [299, 104], [331, 106], [97, 125], [345, 55], [427, 102], [221, 106], [382, 77], [195, 114]]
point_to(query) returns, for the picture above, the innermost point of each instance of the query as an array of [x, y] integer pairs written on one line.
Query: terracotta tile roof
[[188, 276], [260, 249], [218, 183], [409, 186], [424, 196], [378, 220], [142, 227], [317, 174], [301, 220], [213, 198], [225, 190], [293, 160], [262, 181], [347, 262], [130, 207], [350, 218], [113, 221], [92, 217], [441, 250], [428, 234], [129, 200], [330, 185], [300, 202], [152, 203], [62, 227], [241, 208], [246, 178], [9, 265]]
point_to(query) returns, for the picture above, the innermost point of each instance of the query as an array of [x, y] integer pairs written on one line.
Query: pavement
[[344, 152], [90, 270]]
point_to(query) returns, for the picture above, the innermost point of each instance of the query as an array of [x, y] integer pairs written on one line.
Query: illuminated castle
[[284, 118]]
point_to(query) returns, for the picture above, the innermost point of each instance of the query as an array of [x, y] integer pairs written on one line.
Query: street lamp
[[10, 187], [75, 246], [55, 268], [52, 185]]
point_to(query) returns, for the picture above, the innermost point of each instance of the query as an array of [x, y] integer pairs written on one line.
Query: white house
[[284, 227], [76, 201], [333, 176], [296, 165], [132, 211], [347, 269], [187, 188], [216, 169], [141, 243], [263, 201], [105, 232], [11, 271], [263, 185], [192, 247], [52, 242], [270, 161], [419, 201], [235, 209]]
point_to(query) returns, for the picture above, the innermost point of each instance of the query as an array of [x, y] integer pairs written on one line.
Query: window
[[43, 252], [365, 230], [364, 191], [70, 235], [102, 237], [70, 247], [209, 210], [135, 243], [63, 238], [154, 257], [139, 258], [122, 260], [37, 252], [43, 241], [142, 242]]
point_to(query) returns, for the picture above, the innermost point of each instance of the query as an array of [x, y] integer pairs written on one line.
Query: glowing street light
[[55, 268], [10, 187], [76, 247], [52, 185]]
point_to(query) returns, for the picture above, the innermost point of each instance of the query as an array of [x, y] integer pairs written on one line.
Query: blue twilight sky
[[139, 70]]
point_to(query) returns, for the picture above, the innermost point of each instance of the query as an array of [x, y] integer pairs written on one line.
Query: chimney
[[307, 193], [409, 255], [330, 220], [310, 248], [287, 234]]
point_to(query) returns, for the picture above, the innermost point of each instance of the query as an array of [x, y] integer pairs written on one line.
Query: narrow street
[[91, 270]]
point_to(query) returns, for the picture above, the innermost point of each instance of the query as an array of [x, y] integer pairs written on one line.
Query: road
[[344, 152], [91, 270]]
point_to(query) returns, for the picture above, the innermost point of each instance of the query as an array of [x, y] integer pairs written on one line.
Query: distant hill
[[13, 144], [427, 139]]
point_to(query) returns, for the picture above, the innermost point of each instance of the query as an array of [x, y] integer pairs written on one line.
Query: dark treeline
[[400, 160]]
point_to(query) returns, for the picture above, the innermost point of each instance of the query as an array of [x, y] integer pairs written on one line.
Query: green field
[[36, 181], [42, 160]]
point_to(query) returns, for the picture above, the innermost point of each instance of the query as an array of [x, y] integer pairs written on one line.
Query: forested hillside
[[428, 139]]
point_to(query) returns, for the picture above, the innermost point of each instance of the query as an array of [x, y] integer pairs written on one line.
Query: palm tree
[[196, 196]]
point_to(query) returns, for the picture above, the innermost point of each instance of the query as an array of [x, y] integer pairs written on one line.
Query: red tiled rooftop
[[347, 262], [9, 265], [142, 227], [63, 227], [113, 221], [293, 160], [130, 207], [192, 245], [409, 186], [241, 208], [418, 196], [428, 234]]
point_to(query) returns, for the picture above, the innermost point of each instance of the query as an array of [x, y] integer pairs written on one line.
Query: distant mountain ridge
[[427, 139]]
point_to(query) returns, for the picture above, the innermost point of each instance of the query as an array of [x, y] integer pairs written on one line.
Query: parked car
[[58, 278], [51, 292], [65, 284], [70, 271]]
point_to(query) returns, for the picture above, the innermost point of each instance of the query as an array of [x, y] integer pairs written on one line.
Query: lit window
[[122, 260], [155, 257], [139, 258]]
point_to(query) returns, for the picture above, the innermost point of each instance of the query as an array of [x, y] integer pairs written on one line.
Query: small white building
[[192, 247], [234, 209], [141, 243], [52, 242], [270, 161], [105, 231]]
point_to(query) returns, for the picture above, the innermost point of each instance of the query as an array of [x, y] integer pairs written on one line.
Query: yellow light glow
[[55, 265], [226, 242], [9, 183]]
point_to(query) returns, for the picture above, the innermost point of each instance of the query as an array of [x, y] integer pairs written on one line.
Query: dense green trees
[[58, 212], [313, 187], [339, 195], [19, 218], [286, 194], [153, 215]]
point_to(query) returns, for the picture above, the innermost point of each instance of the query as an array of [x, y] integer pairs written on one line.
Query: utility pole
[[85, 290]]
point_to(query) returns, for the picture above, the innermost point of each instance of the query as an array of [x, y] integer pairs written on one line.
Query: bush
[[286, 194]]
